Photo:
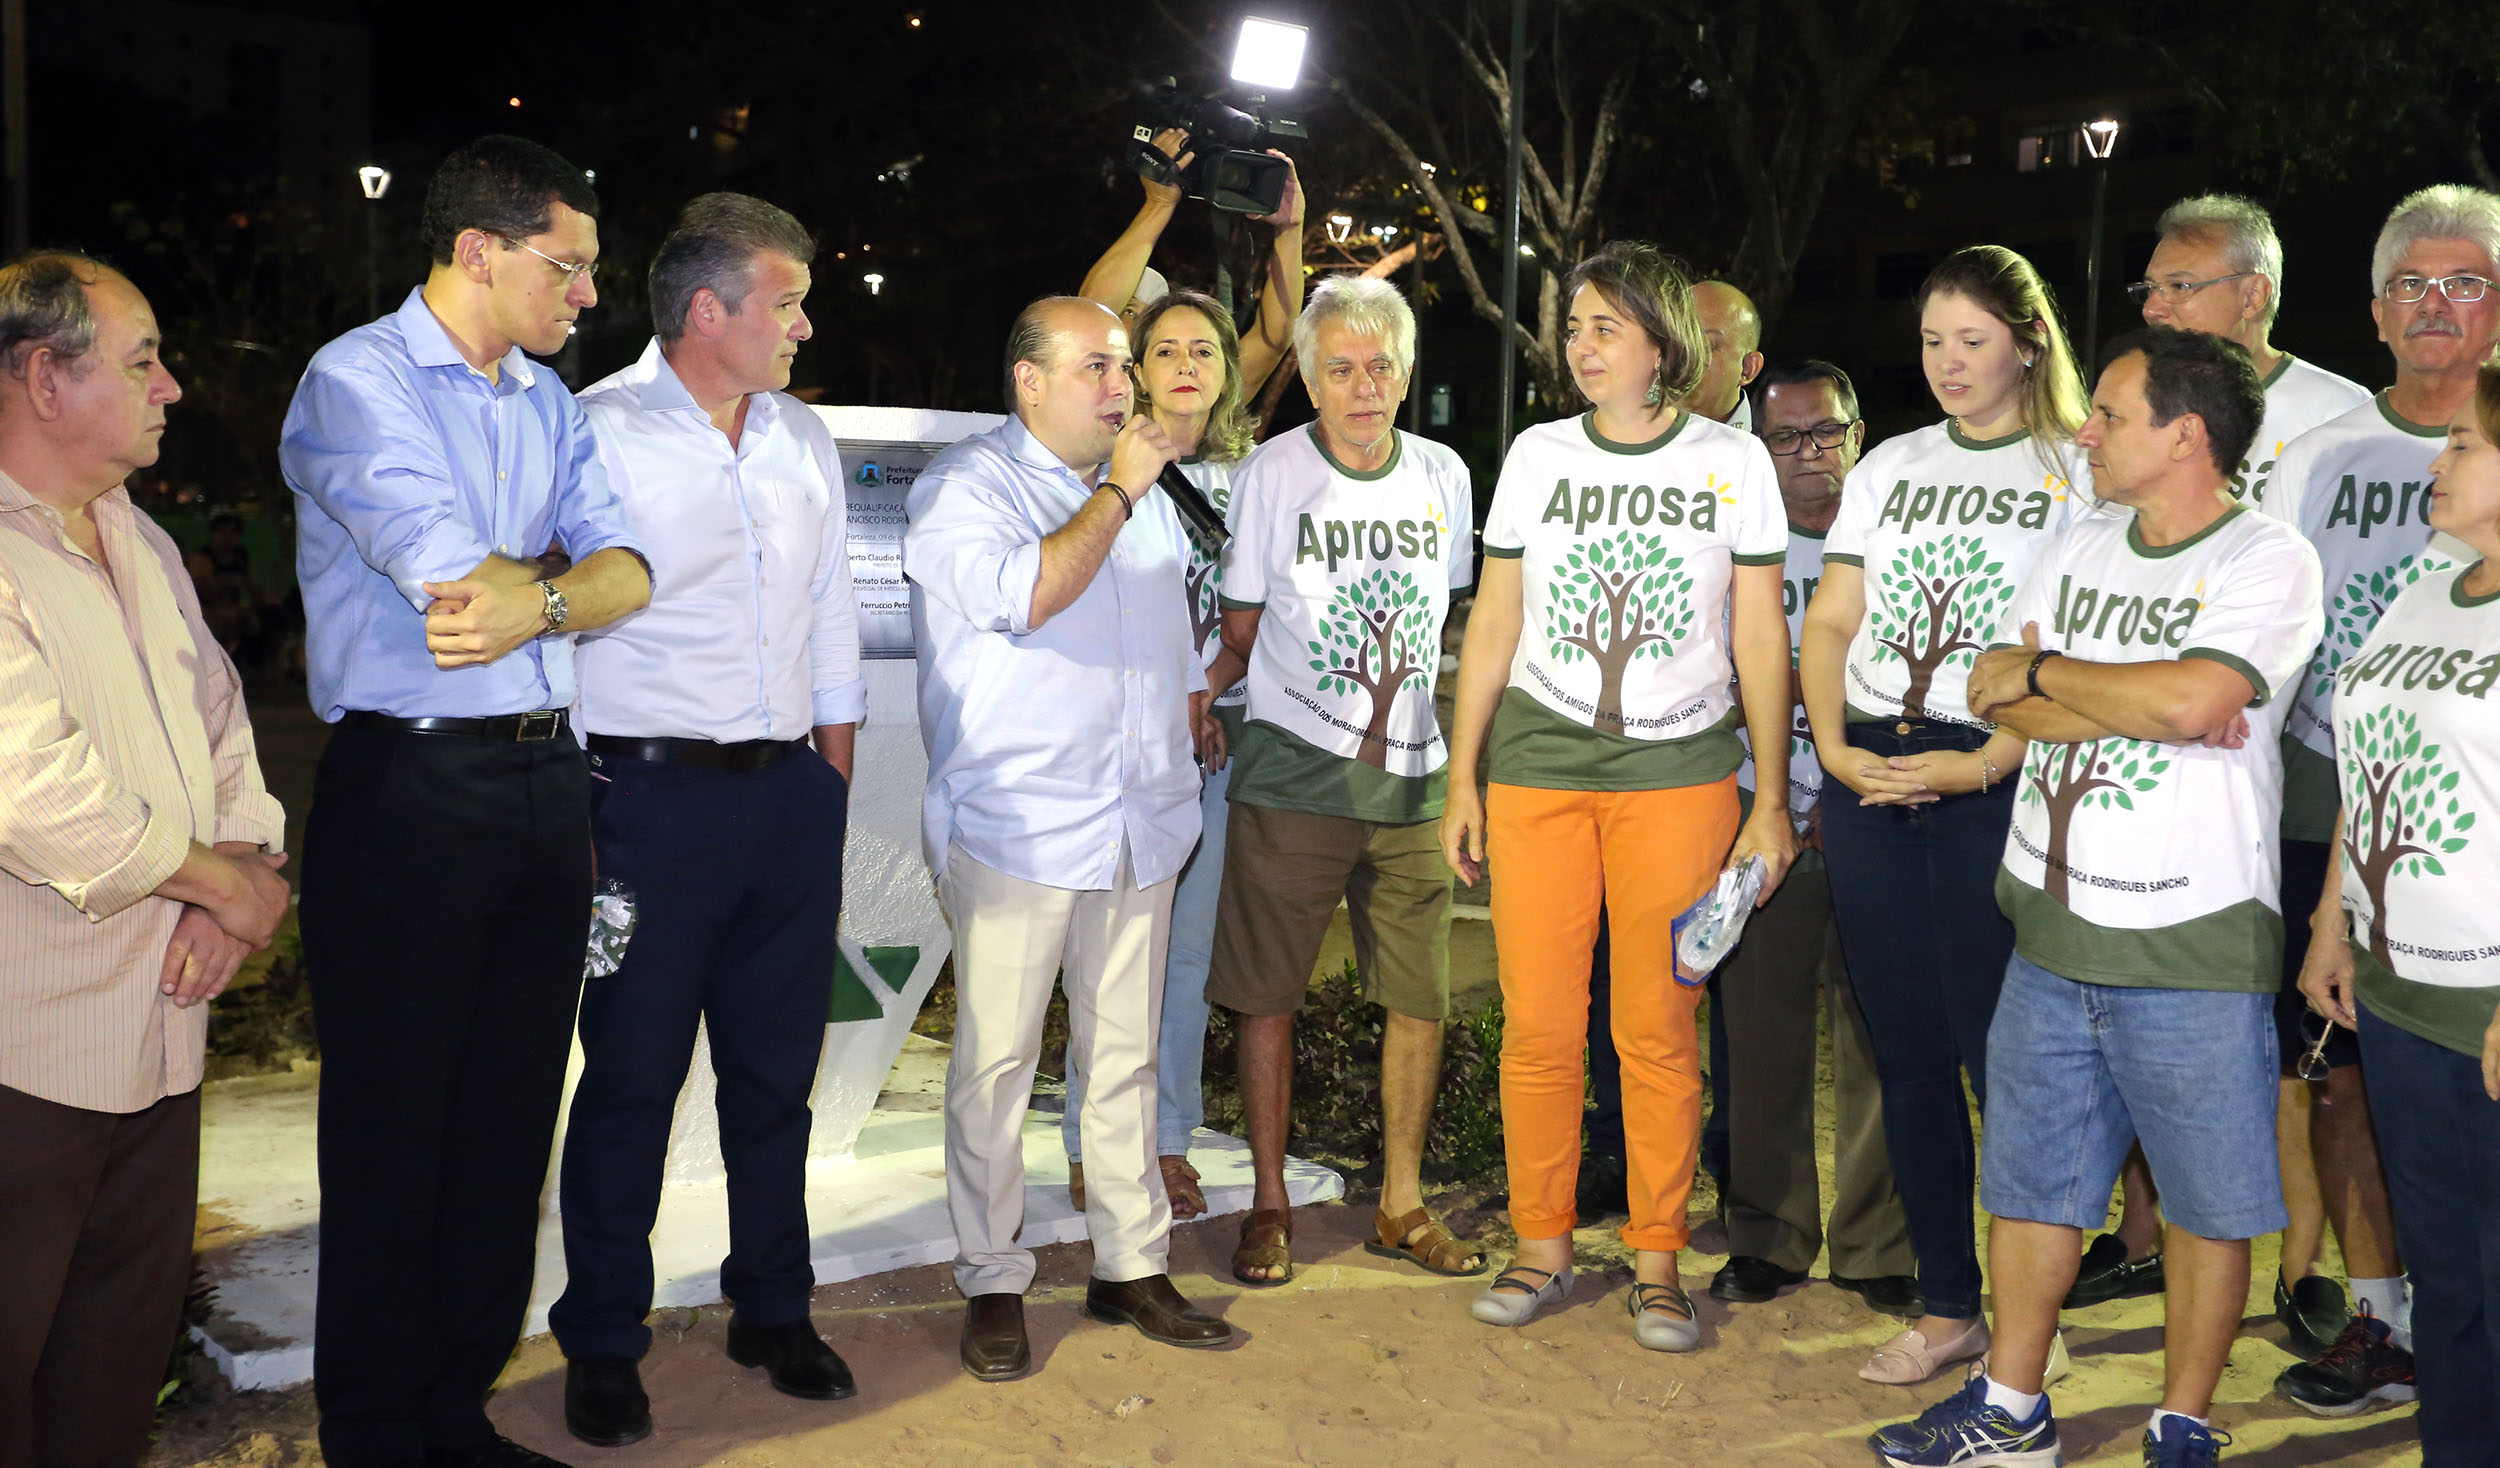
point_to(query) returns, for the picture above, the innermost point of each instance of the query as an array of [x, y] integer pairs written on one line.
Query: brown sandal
[[1426, 1242], [1266, 1243], [1180, 1184]]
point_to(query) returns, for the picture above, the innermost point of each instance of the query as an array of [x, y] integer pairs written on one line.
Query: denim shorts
[[2077, 1071]]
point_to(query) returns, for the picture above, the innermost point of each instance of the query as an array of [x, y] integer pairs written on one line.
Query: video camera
[[1229, 172]]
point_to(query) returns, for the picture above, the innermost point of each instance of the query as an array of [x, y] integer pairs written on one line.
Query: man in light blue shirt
[[712, 807], [1060, 688], [447, 858]]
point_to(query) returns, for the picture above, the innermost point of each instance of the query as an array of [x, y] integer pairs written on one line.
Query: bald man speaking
[[1733, 328]]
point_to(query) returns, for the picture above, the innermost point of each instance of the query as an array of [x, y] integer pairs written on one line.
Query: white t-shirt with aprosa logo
[[2156, 865], [1205, 574], [2299, 397], [1352, 571], [2419, 734], [1944, 527], [1802, 572], [2359, 487], [1621, 680]]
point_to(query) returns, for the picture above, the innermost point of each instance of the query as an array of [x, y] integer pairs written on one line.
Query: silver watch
[[557, 611]]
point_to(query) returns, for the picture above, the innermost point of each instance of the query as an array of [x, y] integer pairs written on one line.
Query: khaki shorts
[[1284, 872]]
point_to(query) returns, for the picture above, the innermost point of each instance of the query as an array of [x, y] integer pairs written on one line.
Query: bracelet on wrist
[[1128, 507], [2031, 675], [1988, 773]]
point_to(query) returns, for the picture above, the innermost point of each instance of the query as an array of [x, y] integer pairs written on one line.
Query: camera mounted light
[[1269, 53], [2100, 137], [375, 180]]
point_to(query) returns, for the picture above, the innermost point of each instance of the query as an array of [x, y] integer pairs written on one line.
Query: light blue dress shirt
[[409, 466], [1052, 748], [757, 636]]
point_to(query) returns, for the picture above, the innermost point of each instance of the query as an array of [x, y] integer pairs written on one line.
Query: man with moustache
[[1789, 966], [719, 721], [2358, 486], [142, 853], [1060, 693], [447, 858]]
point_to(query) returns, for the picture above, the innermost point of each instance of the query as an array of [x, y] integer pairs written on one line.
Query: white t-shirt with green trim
[[2359, 487], [1353, 571], [1205, 574], [1625, 555], [1944, 528], [2156, 865], [2418, 729], [1800, 574], [2299, 397]]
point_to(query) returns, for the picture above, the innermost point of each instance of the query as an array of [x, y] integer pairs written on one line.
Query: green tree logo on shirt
[[2364, 597], [2401, 812], [1934, 609], [1374, 636], [1201, 582], [1614, 600], [2097, 774]]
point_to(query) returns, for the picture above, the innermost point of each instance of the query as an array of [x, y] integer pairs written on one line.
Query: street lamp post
[[376, 181], [2098, 139]]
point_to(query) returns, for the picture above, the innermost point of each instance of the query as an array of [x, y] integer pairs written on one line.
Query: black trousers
[[446, 907], [737, 881], [96, 1211]]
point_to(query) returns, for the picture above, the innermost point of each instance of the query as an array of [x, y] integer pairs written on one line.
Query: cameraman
[[1114, 279]]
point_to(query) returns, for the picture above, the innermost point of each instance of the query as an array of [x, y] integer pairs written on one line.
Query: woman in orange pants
[[1632, 562]]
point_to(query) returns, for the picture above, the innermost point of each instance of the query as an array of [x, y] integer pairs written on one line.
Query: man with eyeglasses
[[1789, 966], [2219, 269], [441, 482], [2359, 487]]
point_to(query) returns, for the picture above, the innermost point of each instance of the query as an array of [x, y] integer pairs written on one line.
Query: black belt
[[534, 727], [738, 759]]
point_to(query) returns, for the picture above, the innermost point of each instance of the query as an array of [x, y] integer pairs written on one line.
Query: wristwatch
[[557, 611], [2031, 675]]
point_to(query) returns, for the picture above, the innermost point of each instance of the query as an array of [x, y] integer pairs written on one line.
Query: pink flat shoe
[[1910, 1358]]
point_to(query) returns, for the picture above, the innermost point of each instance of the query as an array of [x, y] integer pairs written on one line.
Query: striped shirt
[[123, 739]]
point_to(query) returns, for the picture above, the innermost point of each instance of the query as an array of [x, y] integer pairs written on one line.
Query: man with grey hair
[[1060, 694], [2218, 269], [719, 722], [2359, 487], [1347, 539], [138, 840]]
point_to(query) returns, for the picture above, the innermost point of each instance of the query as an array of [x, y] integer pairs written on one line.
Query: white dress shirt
[[752, 631], [1051, 748]]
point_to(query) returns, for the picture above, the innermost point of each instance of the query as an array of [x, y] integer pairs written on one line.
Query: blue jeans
[[1914, 892], [2439, 1136], [1181, 1045], [2078, 1073]]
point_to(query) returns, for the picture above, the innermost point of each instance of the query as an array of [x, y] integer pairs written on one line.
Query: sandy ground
[[1359, 1361]]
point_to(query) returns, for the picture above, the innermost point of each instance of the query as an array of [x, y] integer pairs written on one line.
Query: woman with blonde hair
[[1632, 565], [1936, 530]]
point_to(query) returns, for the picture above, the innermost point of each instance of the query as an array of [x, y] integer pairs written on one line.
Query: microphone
[[1204, 519]]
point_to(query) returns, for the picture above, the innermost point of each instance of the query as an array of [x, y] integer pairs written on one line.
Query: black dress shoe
[[2108, 1274], [2314, 1311], [1156, 1309], [1750, 1281], [604, 1404], [496, 1452], [797, 1359], [1886, 1294], [994, 1346]]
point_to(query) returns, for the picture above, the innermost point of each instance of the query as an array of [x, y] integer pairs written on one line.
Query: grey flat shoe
[[1515, 1299], [1662, 1318]]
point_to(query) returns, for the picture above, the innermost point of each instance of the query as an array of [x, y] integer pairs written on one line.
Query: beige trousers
[[1012, 939]]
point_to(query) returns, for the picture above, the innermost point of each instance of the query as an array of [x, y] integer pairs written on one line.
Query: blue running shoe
[[1963, 1431], [2183, 1444]]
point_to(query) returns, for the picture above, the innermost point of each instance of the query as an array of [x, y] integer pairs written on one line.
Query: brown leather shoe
[[1156, 1309], [994, 1347]]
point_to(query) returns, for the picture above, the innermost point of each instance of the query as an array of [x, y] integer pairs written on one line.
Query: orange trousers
[[1648, 855]]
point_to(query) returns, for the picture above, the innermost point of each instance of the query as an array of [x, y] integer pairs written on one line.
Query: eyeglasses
[[2175, 291], [2312, 1066], [1826, 436], [573, 269], [2458, 288]]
